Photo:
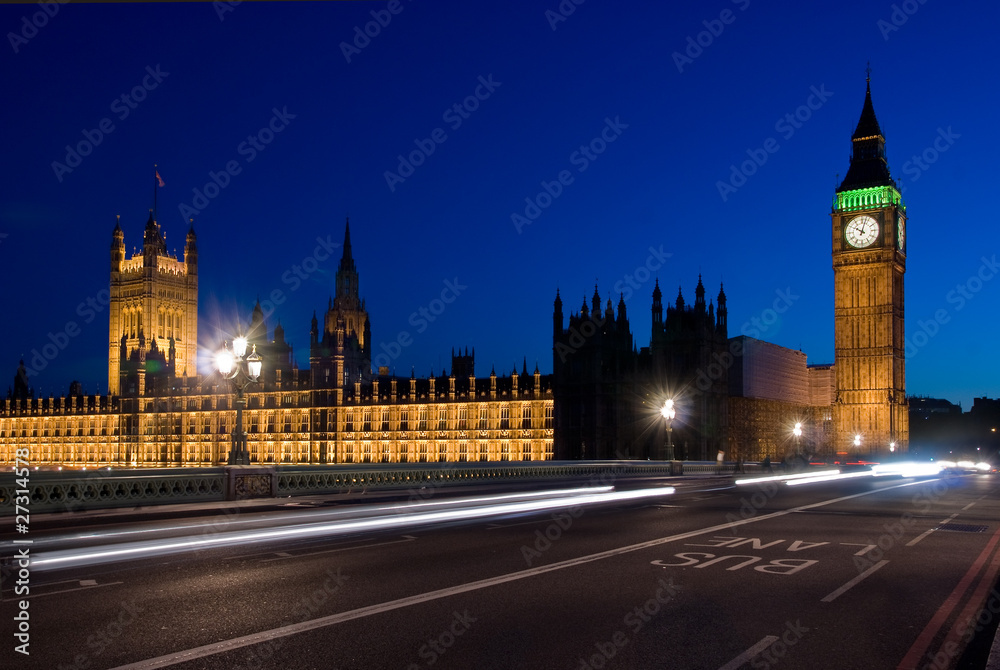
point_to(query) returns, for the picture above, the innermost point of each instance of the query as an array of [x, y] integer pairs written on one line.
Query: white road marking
[[333, 619], [284, 556], [968, 506], [88, 582], [928, 532], [87, 587], [494, 526], [745, 657], [867, 547], [854, 582]]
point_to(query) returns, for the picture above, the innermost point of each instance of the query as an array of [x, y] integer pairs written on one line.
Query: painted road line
[[333, 619], [862, 552], [494, 526], [854, 582], [88, 587], [745, 657], [284, 556], [928, 532], [968, 506], [914, 657]]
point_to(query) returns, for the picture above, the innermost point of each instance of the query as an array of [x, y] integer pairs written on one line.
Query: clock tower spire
[[869, 260]]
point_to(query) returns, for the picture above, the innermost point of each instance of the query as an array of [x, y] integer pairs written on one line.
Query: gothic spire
[[869, 166], [347, 260]]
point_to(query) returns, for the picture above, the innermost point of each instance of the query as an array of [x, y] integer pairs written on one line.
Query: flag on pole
[[159, 180]]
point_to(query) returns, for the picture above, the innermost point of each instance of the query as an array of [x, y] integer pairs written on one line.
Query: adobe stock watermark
[[787, 126], [436, 647], [381, 18], [250, 148], [261, 655], [223, 7], [713, 30], [562, 12], [625, 287], [876, 549], [87, 310], [899, 15], [758, 325], [561, 522], [581, 159], [30, 25], [774, 652], [420, 320], [920, 163], [635, 620], [454, 116], [121, 107], [105, 637], [750, 507], [754, 327], [960, 296], [299, 273]]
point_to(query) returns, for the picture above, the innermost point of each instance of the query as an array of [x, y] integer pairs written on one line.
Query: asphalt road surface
[[862, 573]]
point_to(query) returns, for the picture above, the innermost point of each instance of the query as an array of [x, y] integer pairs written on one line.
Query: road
[[862, 573]]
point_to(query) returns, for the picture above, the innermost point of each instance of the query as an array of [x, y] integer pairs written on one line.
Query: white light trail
[[145, 549], [782, 478], [831, 477]]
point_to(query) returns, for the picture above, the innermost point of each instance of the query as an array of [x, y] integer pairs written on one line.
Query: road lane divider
[[928, 532], [854, 582], [750, 653]]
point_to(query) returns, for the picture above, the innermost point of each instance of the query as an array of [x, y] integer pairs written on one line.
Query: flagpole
[[155, 181]]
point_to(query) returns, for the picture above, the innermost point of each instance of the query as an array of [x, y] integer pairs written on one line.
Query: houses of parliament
[[734, 394]]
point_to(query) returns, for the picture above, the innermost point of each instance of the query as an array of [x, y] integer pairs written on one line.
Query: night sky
[[630, 125]]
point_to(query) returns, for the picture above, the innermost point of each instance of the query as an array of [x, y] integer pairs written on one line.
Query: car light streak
[[318, 514], [148, 548], [907, 469], [830, 477], [782, 478]]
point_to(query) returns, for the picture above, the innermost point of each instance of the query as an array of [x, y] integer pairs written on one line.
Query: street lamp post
[[797, 432], [231, 367], [669, 413]]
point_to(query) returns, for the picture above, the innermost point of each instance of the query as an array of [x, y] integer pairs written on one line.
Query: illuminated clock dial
[[901, 228], [861, 231]]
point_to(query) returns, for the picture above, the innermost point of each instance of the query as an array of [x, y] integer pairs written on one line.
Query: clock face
[[861, 231], [901, 228]]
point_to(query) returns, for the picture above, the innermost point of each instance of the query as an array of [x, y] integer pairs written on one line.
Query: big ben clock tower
[[869, 260]]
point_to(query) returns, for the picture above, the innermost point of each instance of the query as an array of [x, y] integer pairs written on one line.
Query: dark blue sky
[[676, 127]]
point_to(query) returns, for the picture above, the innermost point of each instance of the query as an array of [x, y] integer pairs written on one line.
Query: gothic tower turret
[[155, 295], [191, 251]]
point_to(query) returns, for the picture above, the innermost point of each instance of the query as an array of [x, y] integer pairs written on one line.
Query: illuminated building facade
[[161, 414], [153, 329], [869, 260]]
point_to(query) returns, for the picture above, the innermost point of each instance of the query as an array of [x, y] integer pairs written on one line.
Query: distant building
[[608, 395], [924, 408], [160, 412], [771, 389]]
